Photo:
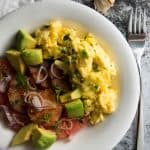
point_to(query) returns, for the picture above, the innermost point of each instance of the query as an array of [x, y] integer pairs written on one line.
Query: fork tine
[[144, 22], [135, 21], [137, 25], [130, 21], [139, 21]]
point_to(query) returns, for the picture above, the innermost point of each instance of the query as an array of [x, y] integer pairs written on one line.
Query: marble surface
[[119, 16]]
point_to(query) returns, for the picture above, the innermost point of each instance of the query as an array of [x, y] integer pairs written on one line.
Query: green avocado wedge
[[75, 94], [16, 61], [23, 135], [42, 139], [32, 57], [24, 40], [75, 109]]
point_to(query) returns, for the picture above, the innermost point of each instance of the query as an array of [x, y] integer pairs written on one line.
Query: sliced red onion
[[3, 86], [55, 72], [39, 80], [31, 86], [8, 115], [34, 99], [3, 83], [17, 120], [12, 119], [49, 104], [36, 102], [8, 78], [66, 124]]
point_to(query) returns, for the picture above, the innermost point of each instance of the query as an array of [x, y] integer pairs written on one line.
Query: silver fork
[[136, 38]]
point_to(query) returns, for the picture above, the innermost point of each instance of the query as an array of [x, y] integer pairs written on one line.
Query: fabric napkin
[[7, 6]]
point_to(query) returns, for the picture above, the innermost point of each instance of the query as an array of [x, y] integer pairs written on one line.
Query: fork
[[136, 39]]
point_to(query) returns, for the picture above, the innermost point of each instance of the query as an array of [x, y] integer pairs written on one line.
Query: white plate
[[105, 135]]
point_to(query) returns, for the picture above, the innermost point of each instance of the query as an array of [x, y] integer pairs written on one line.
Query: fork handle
[[140, 136], [140, 123]]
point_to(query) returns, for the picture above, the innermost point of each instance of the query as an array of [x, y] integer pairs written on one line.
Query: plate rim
[[12, 14]]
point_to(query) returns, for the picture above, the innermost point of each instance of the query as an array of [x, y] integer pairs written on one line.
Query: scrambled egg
[[88, 65]]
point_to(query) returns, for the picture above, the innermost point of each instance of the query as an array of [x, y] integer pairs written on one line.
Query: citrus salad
[[54, 82]]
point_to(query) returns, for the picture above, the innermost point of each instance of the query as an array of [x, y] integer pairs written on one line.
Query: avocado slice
[[42, 138], [32, 57], [65, 98], [23, 135], [70, 96], [24, 40], [75, 109], [15, 60], [75, 94]]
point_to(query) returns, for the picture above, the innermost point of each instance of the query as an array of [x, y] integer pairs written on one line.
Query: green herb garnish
[[47, 117], [95, 67], [21, 80], [55, 127], [64, 50], [84, 54], [96, 88], [67, 37], [58, 91]]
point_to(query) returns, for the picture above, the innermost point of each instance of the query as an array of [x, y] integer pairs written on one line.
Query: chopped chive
[[64, 50], [67, 37], [84, 54], [47, 117], [21, 80]]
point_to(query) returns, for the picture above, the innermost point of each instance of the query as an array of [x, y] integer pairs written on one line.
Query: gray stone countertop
[[119, 16]]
